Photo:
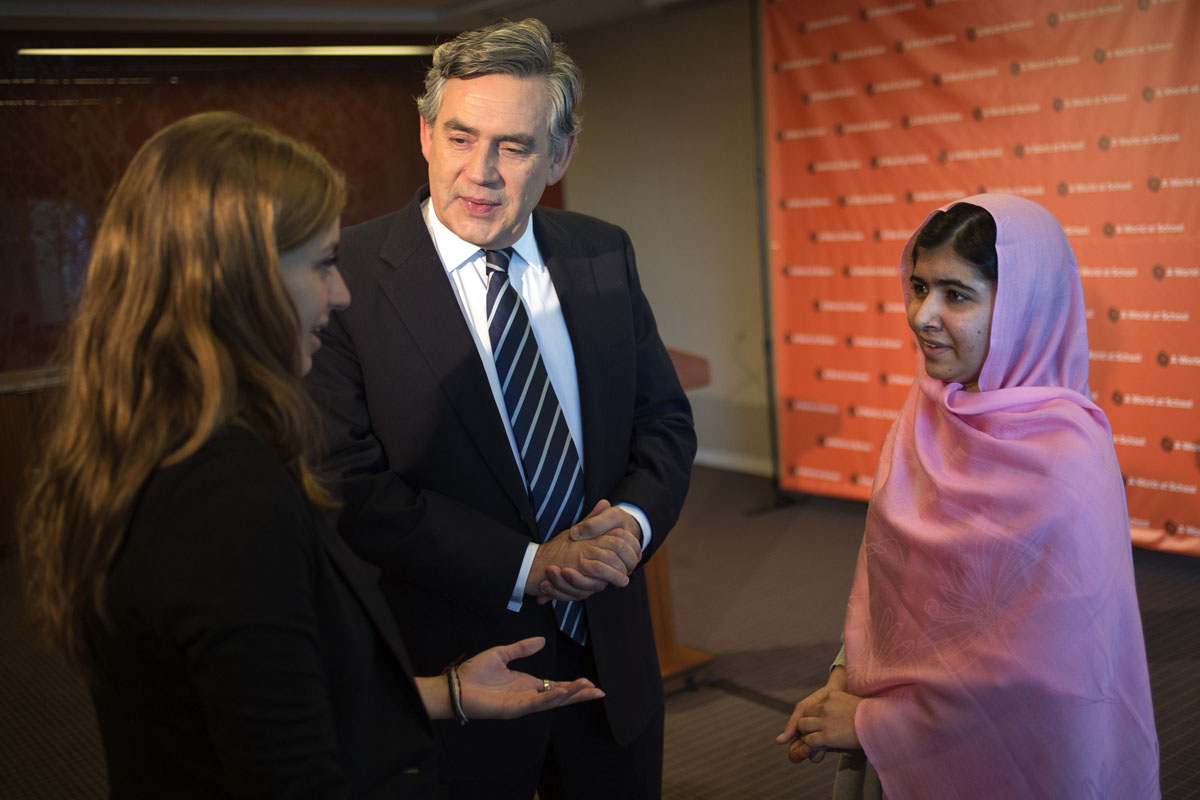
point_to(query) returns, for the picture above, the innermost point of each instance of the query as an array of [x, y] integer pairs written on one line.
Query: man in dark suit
[[498, 377]]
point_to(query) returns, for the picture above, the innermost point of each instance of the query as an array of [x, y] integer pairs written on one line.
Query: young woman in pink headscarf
[[993, 647]]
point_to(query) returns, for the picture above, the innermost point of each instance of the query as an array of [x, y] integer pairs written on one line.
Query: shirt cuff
[[518, 593], [640, 516], [840, 661]]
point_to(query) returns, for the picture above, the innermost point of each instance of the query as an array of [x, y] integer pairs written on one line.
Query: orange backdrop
[[878, 114]]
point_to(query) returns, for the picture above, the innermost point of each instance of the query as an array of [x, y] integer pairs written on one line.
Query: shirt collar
[[457, 253]]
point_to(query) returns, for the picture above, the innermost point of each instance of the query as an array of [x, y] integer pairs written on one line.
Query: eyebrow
[[523, 139], [948, 282]]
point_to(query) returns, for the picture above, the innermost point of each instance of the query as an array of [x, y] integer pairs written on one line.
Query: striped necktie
[[553, 473]]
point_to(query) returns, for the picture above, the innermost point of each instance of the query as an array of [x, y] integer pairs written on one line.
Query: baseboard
[[736, 462]]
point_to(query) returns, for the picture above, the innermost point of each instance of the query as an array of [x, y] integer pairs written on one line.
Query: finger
[[580, 696], [618, 536], [565, 695], [561, 591], [601, 505], [592, 556], [556, 595], [544, 589], [789, 731], [797, 713], [553, 578], [623, 544], [568, 582], [521, 649], [597, 523], [574, 579], [806, 725], [591, 525], [817, 755], [572, 688], [620, 543], [603, 572], [605, 548], [572, 584], [798, 751], [815, 740], [631, 553]]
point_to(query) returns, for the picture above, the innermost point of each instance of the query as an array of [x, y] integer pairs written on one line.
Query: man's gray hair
[[522, 49]]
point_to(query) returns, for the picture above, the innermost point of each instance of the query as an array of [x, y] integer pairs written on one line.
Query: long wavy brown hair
[[184, 326]]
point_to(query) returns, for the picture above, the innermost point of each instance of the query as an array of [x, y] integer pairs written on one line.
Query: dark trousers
[[581, 761]]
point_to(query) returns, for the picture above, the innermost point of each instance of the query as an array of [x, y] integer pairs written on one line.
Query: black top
[[249, 652]]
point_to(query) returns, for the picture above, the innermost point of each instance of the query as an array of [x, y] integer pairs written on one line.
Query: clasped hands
[[598, 551], [822, 721]]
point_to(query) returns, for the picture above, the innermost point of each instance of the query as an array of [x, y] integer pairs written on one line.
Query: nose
[[481, 169], [339, 294], [926, 314]]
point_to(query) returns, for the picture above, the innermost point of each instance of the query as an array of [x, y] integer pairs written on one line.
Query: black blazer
[[433, 493], [249, 652]]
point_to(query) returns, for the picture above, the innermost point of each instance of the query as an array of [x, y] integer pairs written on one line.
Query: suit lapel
[[575, 285], [420, 292]]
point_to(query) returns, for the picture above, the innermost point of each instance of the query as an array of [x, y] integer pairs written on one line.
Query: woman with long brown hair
[[233, 644]]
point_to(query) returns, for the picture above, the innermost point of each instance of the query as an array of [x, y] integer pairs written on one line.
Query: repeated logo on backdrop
[[878, 114]]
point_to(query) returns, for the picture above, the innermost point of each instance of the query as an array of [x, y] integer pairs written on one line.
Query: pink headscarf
[[993, 627]]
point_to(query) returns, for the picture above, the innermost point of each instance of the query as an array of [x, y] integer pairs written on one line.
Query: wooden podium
[[681, 666]]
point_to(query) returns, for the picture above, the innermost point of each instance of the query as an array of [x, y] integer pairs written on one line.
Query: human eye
[[918, 287], [514, 150], [327, 266]]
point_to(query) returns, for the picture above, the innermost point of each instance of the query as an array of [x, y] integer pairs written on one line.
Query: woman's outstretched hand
[[490, 690]]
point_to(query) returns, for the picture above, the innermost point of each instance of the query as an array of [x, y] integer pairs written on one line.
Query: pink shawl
[[993, 627]]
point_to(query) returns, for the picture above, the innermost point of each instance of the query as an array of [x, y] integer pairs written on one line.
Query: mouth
[[933, 348], [314, 335], [477, 206]]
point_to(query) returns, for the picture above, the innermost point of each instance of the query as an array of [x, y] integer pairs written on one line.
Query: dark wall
[[69, 125]]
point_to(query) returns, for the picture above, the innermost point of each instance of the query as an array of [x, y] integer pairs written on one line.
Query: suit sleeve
[[663, 441], [234, 593], [409, 532]]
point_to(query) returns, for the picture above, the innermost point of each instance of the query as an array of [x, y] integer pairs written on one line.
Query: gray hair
[[522, 49]]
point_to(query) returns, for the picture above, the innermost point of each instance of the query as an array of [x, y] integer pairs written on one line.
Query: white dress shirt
[[467, 273]]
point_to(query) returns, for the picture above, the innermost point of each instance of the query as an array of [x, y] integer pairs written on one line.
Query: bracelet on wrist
[[454, 685]]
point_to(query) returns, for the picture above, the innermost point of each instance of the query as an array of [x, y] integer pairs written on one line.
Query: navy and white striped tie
[[552, 469]]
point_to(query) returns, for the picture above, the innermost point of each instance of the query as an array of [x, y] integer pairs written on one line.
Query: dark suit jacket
[[433, 493], [250, 653]]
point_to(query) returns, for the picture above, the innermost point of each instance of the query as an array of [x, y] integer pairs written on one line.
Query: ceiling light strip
[[322, 50]]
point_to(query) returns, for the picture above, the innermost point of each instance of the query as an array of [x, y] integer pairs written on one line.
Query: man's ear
[[560, 162], [426, 137]]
